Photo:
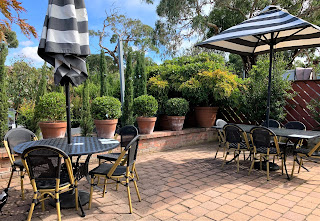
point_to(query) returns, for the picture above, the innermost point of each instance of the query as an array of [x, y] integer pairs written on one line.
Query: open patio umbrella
[[64, 44], [272, 30]]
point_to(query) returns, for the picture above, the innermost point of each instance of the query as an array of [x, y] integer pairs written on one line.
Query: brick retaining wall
[[157, 141]]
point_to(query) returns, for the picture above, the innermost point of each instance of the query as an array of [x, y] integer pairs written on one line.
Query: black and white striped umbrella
[[64, 44], [272, 30]]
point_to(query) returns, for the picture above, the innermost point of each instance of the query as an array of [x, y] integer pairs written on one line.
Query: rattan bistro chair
[[127, 133], [236, 139], [265, 144], [43, 165], [12, 138], [118, 171], [272, 123], [221, 136]]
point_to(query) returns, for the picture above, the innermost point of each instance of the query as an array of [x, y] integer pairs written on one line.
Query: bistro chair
[[290, 142], [127, 134], [272, 123], [236, 140], [265, 144], [43, 165], [221, 137], [12, 138], [121, 172], [304, 152]]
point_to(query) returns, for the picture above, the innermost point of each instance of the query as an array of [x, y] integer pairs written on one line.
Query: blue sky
[[36, 10]]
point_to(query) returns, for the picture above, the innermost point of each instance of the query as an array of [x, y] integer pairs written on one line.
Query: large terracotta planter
[[176, 122], [106, 128], [146, 124], [53, 129], [206, 116]]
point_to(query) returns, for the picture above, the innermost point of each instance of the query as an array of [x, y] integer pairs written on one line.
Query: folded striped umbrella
[[65, 40], [272, 30], [64, 44]]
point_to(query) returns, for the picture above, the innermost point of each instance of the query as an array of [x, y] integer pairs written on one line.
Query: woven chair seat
[[306, 151], [51, 183], [272, 150], [104, 168], [109, 156], [235, 145]]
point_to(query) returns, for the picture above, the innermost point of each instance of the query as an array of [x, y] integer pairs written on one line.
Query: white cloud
[[26, 43], [30, 53]]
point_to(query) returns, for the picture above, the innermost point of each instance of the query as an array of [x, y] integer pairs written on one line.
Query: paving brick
[[216, 215], [164, 214], [270, 214], [313, 218], [178, 209], [293, 216], [190, 203], [227, 209], [238, 216], [301, 210]]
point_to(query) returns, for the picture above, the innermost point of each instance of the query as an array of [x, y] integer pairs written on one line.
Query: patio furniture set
[[54, 174], [267, 143]]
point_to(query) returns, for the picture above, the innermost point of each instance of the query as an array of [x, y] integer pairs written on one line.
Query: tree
[[186, 19], [103, 74], [140, 76], [11, 42], [131, 31], [6, 6], [127, 110], [86, 123]]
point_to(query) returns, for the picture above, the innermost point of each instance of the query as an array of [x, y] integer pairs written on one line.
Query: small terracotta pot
[[53, 129], [176, 122], [206, 116], [106, 128], [146, 124]]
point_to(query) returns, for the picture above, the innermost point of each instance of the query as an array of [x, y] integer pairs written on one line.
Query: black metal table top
[[282, 132], [79, 145]]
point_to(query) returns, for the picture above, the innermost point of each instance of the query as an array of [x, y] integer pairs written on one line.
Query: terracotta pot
[[176, 122], [146, 124], [206, 116], [53, 129], [106, 128], [163, 122]]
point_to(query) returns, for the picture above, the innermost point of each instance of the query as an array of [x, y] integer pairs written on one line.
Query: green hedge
[[106, 107]]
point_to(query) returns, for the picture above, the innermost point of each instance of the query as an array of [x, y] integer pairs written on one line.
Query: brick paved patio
[[188, 184]]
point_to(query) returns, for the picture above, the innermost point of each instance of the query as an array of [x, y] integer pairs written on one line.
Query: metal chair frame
[[221, 137], [11, 155]]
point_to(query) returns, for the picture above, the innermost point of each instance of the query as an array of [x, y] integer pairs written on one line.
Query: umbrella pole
[[67, 91], [269, 83]]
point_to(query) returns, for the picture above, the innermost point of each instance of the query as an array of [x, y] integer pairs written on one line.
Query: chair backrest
[[295, 125], [263, 137], [220, 122], [43, 163], [127, 134], [17, 136], [272, 123], [233, 133]]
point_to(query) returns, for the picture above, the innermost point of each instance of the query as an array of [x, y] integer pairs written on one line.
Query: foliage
[[314, 107], [106, 107], [6, 8], [76, 110], [209, 88], [51, 107], [86, 122], [145, 106], [159, 89], [252, 97], [177, 107], [140, 77], [132, 32], [103, 74], [93, 89], [26, 115], [3, 91], [127, 109], [93, 62], [22, 82]]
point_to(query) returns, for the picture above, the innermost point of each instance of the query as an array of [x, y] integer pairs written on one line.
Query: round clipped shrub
[[145, 106], [51, 107], [106, 107], [177, 107]]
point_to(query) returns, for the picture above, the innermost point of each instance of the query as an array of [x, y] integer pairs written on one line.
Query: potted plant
[[208, 90], [145, 107], [51, 112], [105, 111], [176, 109]]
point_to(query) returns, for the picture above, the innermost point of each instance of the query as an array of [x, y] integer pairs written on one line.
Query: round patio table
[[78, 147]]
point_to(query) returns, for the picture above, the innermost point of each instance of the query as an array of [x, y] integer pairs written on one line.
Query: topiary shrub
[[51, 107], [145, 106], [106, 107], [177, 107]]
